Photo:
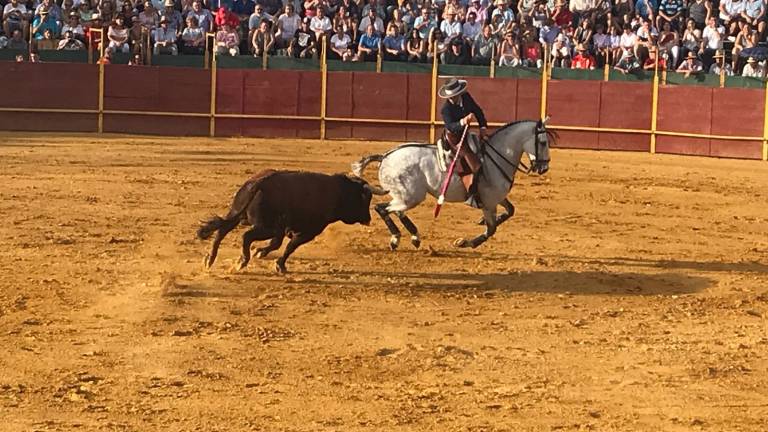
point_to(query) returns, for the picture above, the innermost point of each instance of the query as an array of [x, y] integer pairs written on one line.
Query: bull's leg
[[490, 229], [297, 240], [274, 244], [409, 225], [220, 234], [394, 241], [250, 236], [510, 211]]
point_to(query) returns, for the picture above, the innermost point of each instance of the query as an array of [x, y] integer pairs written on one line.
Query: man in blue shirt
[[424, 23], [42, 22], [394, 45], [368, 48], [647, 9]]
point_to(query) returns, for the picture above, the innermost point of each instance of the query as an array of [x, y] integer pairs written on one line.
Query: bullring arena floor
[[628, 293]]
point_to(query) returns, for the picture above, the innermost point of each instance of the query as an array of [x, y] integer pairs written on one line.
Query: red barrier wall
[[367, 95], [155, 89]]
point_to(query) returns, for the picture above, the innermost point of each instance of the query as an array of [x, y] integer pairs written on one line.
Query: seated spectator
[[583, 60], [690, 66], [484, 47], [42, 22], [175, 21], [646, 9], [47, 42], [416, 47], [746, 38], [509, 53], [425, 23], [507, 16], [135, 60], [224, 15], [287, 24], [471, 28], [752, 69], [628, 41], [437, 42], [561, 14], [243, 8], [601, 42], [15, 16], [137, 33], [561, 51], [670, 11], [372, 19], [93, 32], [149, 18], [531, 51], [271, 7], [34, 57], [193, 37], [17, 42], [457, 53], [341, 46], [394, 45], [310, 8], [73, 25], [628, 64], [450, 27], [304, 43], [263, 40], [165, 39], [368, 46], [720, 66], [669, 43], [754, 16], [730, 11], [118, 36], [452, 7], [320, 24], [106, 10], [85, 11], [70, 43], [712, 40], [227, 41], [377, 6], [53, 10], [481, 12], [654, 59], [397, 20], [255, 19], [126, 11], [204, 16]]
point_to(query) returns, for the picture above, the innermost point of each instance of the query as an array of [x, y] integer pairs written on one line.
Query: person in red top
[[583, 60], [653, 56], [224, 15], [561, 15]]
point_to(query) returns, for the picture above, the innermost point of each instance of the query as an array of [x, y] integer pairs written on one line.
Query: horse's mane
[[552, 136]]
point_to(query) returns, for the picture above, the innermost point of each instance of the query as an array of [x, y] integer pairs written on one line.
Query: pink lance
[[449, 174]]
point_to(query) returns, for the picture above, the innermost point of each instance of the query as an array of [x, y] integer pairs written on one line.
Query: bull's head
[[356, 200]]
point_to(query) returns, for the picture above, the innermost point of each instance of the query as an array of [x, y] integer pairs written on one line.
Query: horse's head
[[538, 148]]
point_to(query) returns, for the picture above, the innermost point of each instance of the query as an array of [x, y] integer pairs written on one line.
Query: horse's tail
[[240, 203], [359, 166]]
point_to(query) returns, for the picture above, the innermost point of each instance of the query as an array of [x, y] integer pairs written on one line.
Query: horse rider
[[458, 112]]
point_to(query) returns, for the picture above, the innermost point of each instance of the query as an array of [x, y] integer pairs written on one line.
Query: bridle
[[540, 130]]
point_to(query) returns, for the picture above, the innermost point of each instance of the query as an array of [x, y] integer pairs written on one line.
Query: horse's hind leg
[[274, 244], [250, 236], [409, 225], [394, 241]]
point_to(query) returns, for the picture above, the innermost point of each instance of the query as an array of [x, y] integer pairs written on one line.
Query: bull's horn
[[375, 190]]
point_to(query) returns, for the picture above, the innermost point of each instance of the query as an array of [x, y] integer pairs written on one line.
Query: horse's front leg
[[489, 215], [509, 212]]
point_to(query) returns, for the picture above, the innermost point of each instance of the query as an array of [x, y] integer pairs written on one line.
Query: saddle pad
[[445, 157]]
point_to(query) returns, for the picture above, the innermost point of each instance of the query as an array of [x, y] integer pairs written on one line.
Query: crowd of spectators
[[689, 36]]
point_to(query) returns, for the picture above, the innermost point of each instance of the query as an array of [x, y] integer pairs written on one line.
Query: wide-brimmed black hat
[[453, 87]]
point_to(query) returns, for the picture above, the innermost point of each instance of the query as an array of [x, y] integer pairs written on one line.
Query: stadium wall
[[369, 105]]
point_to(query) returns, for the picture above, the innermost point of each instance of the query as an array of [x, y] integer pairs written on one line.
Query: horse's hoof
[[461, 243], [280, 267], [415, 241], [394, 242]]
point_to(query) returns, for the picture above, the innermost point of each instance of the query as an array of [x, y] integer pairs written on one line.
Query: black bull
[[295, 204]]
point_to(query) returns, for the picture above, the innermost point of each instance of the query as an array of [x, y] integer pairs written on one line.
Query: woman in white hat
[[458, 112]]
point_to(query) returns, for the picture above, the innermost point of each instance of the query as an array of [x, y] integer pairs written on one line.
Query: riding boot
[[470, 185]]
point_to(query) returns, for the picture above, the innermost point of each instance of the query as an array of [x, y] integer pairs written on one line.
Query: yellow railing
[[432, 123]]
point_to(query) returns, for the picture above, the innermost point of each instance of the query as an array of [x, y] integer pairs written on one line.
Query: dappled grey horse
[[411, 171]]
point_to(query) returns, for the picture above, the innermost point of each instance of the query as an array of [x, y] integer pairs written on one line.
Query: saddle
[[445, 155]]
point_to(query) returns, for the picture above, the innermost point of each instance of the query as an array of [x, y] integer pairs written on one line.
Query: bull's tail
[[359, 166], [240, 203]]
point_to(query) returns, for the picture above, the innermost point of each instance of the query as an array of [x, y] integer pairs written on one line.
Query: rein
[[526, 169]]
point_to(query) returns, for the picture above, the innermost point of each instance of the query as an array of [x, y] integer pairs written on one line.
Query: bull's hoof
[[394, 242], [206, 262], [280, 267], [260, 253], [415, 241], [462, 243], [242, 263], [481, 221]]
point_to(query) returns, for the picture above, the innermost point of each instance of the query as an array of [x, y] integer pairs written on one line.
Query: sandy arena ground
[[628, 294]]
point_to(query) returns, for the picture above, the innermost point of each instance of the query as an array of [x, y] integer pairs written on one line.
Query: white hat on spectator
[[95, 17], [500, 2], [751, 60], [453, 87], [169, 3]]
